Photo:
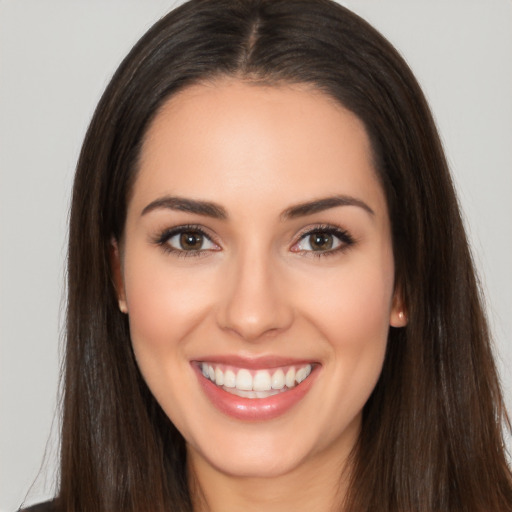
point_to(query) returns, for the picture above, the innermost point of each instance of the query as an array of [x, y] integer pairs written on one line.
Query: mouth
[[255, 384], [252, 390]]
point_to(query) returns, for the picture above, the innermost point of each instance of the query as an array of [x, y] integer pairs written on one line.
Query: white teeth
[[278, 379], [219, 377], [290, 378], [252, 394], [301, 374], [229, 379], [262, 381], [265, 394], [244, 380]]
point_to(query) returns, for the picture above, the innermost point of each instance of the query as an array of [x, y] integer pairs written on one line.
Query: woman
[[271, 298]]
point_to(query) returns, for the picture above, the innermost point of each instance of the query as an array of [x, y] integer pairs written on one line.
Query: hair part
[[432, 430]]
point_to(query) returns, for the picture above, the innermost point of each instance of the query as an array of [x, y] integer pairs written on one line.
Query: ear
[[117, 275], [398, 315]]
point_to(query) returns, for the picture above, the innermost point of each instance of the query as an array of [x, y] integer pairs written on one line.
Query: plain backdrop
[[56, 57]]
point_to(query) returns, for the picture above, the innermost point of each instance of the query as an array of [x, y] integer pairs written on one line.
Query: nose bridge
[[255, 302]]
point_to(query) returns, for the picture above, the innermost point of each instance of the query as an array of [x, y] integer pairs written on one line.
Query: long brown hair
[[432, 433]]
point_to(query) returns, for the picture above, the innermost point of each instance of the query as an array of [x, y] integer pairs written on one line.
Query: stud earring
[[122, 307]]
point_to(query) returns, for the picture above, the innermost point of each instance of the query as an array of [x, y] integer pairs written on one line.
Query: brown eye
[[190, 241], [321, 241], [187, 241]]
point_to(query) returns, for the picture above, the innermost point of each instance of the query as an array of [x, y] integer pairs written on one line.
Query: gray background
[[56, 57]]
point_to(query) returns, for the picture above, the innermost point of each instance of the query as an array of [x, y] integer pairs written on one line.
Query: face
[[257, 272]]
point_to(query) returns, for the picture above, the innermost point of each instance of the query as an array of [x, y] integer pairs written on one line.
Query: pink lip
[[253, 409]]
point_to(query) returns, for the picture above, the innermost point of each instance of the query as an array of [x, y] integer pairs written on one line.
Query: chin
[[251, 463]]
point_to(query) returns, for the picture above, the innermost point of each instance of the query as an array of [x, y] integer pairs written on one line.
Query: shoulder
[[47, 506]]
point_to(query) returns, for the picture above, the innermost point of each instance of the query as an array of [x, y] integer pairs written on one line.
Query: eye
[[183, 240], [323, 240], [318, 242], [190, 241]]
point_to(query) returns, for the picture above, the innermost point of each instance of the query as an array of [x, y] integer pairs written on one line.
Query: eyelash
[[163, 238], [343, 236]]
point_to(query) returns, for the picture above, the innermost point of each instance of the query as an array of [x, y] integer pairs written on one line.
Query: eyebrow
[[326, 203], [187, 205], [209, 209]]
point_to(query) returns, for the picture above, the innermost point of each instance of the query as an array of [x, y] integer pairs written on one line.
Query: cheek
[[351, 310], [164, 303], [353, 305], [356, 327]]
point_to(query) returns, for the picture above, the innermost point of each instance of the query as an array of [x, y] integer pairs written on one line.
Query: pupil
[[321, 241], [190, 241]]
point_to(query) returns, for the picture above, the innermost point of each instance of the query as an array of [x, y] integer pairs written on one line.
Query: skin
[[258, 289]]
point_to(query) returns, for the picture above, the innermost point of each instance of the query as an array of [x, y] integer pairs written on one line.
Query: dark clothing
[[47, 506]]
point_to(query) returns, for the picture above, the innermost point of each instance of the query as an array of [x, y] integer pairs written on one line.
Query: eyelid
[[345, 238], [165, 235]]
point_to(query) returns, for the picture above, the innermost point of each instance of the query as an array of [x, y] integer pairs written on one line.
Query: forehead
[[237, 140]]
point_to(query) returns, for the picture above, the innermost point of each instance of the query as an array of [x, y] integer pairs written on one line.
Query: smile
[[255, 384], [255, 390]]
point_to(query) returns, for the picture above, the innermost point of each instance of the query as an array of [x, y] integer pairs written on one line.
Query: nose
[[255, 301]]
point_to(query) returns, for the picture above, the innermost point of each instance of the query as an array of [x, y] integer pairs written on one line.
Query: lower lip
[[254, 409]]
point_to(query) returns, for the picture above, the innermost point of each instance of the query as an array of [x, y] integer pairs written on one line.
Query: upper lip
[[254, 363]]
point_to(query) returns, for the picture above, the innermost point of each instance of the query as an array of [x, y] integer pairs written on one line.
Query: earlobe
[[122, 306], [398, 316], [117, 275]]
